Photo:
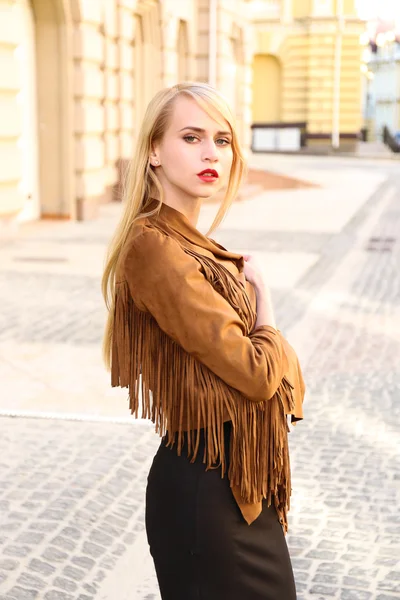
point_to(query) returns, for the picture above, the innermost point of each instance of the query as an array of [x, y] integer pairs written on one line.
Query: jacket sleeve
[[169, 284], [294, 376]]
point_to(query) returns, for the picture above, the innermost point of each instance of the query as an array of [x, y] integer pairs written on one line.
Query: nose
[[210, 151]]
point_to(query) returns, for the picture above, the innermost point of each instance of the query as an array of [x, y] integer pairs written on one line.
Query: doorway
[[46, 141], [27, 99]]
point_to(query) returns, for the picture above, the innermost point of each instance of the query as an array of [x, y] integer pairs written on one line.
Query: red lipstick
[[208, 175]]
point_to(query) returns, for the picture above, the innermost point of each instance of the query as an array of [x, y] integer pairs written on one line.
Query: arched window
[[183, 52], [147, 56]]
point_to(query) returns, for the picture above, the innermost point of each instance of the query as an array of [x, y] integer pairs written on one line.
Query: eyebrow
[[200, 130]]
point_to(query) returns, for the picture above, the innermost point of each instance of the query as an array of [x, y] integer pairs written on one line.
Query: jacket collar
[[173, 221]]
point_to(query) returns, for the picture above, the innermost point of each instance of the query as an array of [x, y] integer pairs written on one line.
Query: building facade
[[307, 63], [381, 96], [75, 79], [76, 76]]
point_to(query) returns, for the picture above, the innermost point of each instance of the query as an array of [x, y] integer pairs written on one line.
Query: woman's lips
[[208, 175]]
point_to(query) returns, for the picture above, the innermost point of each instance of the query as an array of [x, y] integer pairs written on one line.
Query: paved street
[[73, 463]]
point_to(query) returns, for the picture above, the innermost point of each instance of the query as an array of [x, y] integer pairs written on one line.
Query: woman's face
[[193, 143]]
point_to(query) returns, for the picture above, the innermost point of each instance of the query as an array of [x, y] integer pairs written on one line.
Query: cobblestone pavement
[[71, 491], [71, 504], [345, 525]]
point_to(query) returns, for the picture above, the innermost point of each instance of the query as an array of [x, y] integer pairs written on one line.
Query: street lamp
[[338, 66], [369, 76]]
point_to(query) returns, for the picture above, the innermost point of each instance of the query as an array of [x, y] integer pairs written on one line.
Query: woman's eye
[[188, 138], [220, 141]]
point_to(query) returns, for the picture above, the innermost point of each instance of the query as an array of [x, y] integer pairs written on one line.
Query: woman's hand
[[254, 273]]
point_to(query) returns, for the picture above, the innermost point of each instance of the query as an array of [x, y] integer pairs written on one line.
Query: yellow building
[[75, 78], [306, 67]]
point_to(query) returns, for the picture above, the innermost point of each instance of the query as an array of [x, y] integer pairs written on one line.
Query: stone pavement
[[72, 478]]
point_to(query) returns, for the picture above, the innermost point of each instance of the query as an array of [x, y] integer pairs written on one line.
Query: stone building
[[307, 59], [381, 106], [76, 76]]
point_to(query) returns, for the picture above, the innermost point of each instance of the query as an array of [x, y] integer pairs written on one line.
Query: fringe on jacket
[[160, 376]]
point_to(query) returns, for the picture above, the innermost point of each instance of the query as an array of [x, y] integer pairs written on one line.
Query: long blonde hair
[[141, 178]]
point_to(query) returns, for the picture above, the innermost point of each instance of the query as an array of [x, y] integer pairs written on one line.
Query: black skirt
[[202, 547]]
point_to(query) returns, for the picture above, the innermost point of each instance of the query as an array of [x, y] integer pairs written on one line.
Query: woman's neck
[[190, 209]]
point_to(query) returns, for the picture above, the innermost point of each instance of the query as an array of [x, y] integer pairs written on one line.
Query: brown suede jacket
[[185, 344]]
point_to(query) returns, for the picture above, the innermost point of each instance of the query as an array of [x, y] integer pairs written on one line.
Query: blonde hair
[[141, 178]]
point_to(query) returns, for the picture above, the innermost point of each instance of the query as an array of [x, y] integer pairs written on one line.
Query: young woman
[[191, 332]]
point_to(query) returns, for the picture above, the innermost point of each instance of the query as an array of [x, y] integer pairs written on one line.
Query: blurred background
[[315, 87], [76, 76]]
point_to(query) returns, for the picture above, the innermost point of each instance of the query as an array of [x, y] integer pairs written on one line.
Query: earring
[[156, 162]]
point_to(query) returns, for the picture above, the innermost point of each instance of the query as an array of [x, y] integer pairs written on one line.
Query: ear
[[153, 158]]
